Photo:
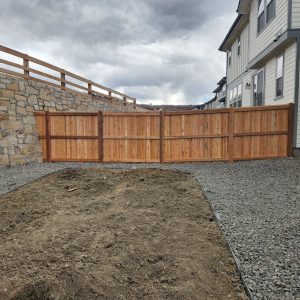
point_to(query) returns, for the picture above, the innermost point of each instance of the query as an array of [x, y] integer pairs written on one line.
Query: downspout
[[296, 109]]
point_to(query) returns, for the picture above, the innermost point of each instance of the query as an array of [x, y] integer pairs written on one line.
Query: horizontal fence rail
[[63, 80], [165, 137]]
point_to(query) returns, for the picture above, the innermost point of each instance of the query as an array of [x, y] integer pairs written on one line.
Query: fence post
[[26, 65], [62, 81], [231, 137], [290, 130], [48, 135], [90, 90], [100, 137], [161, 135], [109, 96]]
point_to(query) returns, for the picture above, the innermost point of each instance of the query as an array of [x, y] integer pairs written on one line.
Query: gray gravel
[[257, 204]]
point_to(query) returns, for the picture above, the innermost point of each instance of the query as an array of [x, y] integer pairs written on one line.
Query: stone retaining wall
[[19, 98]]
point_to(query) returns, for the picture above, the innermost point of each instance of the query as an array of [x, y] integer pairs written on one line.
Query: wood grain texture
[[220, 135]]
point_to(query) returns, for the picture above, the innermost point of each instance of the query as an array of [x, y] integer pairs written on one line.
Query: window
[[279, 77], [240, 91], [229, 58], [266, 13], [239, 46], [236, 96], [258, 88], [270, 10], [261, 15]]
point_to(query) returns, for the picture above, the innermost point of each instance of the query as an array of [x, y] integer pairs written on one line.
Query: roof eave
[[244, 6], [236, 21]]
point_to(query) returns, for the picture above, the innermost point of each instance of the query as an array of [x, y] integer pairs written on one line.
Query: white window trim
[[283, 63]]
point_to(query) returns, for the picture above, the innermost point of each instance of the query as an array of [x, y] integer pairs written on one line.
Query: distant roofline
[[220, 84], [222, 81]]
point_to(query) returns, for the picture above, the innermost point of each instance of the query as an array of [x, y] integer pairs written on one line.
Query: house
[[263, 50], [218, 101], [172, 107], [220, 92]]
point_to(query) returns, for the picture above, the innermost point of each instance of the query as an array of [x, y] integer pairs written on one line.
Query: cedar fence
[[54, 76], [165, 137]]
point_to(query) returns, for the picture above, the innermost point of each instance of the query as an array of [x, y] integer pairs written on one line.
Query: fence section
[[210, 135], [22, 65]]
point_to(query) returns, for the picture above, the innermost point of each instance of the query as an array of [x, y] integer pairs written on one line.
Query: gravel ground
[[257, 204]]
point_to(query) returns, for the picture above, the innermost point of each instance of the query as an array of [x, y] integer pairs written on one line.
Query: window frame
[[266, 21], [236, 100], [229, 54], [259, 15], [267, 6], [239, 45], [264, 87], [282, 76]]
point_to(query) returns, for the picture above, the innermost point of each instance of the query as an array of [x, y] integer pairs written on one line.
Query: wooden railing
[[86, 86]]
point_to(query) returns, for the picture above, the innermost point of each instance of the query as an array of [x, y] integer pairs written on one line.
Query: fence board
[[215, 135]]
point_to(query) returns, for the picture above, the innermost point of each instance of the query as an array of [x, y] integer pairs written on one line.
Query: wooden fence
[[210, 135], [54, 76]]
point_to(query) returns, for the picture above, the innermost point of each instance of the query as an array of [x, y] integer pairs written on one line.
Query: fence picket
[[219, 135]]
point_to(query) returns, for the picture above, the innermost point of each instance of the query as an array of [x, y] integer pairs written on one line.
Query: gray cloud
[[159, 51]]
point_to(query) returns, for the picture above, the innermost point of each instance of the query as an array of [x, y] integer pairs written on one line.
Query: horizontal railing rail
[[61, 82]]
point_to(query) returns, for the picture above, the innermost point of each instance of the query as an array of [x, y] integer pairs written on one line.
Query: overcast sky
[[159, 51]]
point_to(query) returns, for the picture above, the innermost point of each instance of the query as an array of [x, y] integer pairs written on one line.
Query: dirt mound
[[113, 234]]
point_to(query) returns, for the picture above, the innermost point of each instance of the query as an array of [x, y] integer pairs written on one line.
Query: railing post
[[109, 95], [231, 135], [290, 130], [90, 90], [134, 103], [26, 66], [161, 137], [100, 137], [63, 81], [125, 100]]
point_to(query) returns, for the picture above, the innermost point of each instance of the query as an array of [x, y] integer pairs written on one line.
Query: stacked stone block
[[19, 98]]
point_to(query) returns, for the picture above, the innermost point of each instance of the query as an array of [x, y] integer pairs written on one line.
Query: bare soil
[[113, 234]]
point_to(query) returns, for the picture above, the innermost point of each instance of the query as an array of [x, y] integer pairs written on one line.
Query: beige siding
[[247, 92], [296, 14], [289, 73], [298, 126], [239, 63], [259, 42], [270, 80]]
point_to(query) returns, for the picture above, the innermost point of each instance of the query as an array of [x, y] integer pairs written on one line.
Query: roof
[[233, 26], [241, 19], [218, 89], [210, 101], [221, 83], [243, 7]]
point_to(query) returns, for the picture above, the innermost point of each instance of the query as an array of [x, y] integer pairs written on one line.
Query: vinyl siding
[[289, 73], [270, 80], [239, 63], [247, 93], [298, 121], [259, 42], [295, 14]]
